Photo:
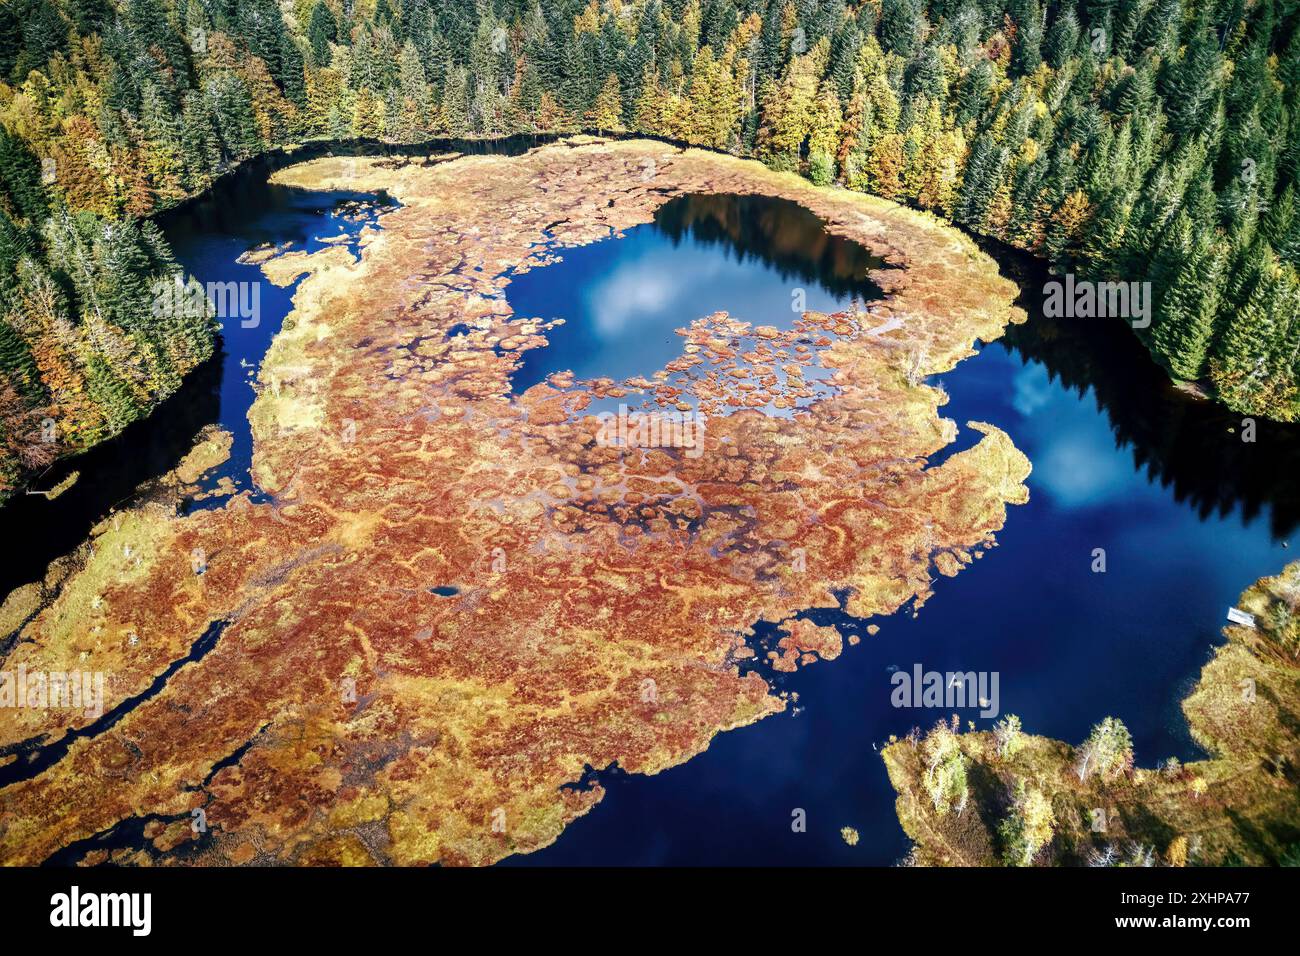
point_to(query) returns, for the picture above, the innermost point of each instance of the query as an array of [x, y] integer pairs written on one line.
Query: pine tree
[[455, 103], [900, 26], [1254, 365], [1193, 86], [606, 114], [16, 364], [1062, 39], [200, 150], [1182, 334], [21, 193], [231, 108], [1067, 225]]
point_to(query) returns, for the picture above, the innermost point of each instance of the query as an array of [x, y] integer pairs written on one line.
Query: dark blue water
[[1071, 646]]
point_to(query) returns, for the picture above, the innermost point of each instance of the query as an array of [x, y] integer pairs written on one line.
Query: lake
[[1187, 513]]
